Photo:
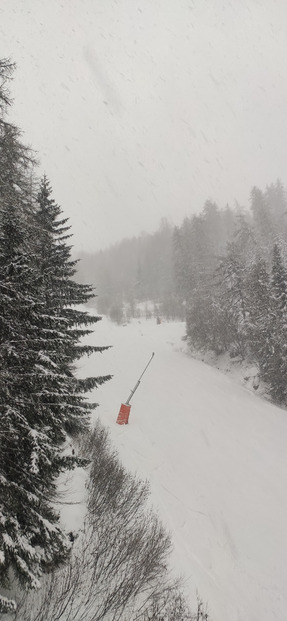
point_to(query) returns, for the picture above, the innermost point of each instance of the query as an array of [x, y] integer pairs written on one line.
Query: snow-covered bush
[[119, 565]]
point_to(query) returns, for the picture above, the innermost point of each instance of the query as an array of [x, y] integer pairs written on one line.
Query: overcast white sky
[[143, 109]]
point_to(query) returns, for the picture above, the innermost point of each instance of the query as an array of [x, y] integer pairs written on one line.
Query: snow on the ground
[[243, 371], [215, 455], [72, 499]]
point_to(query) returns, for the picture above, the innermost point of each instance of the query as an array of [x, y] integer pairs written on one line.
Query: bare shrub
[[118, 568]]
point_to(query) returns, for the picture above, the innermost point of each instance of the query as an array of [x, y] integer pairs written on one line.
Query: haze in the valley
[[143, 109]]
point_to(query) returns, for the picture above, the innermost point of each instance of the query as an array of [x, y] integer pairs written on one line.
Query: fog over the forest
[[143, 109]]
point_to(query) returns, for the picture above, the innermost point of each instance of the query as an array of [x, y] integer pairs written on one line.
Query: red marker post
[[123, 415]]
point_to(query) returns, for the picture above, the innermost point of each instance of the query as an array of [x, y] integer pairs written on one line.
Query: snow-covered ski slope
[[216, 458]]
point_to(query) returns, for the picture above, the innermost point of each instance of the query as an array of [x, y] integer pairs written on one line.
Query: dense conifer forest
[[223, 271]]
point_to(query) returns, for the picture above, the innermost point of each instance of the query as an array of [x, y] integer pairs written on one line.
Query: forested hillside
[[224, 270], [132, 271], [236, 299]]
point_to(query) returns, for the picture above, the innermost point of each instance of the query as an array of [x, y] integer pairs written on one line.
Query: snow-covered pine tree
[[260, 314], [40, 397], [69, 322], [180, 267], [274, 368], [276, 200], [231, 279], [206, 319], [30, 538], [263, 222], [231, 282], [26, 531], [279, 283], [6, 72]]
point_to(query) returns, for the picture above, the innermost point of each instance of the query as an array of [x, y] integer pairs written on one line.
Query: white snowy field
[[216, 458]]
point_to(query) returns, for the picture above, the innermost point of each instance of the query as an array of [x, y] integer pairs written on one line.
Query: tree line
[[133, 272], [224, 271], [237, 293]]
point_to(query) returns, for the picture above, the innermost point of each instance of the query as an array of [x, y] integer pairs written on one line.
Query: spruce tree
[[231, 282], [276, 200], [30, 538], [279, 283], [268, 323], [41, 399], [62, 297], [263, 222], [180, 266], [260, 315], [274, 368]]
